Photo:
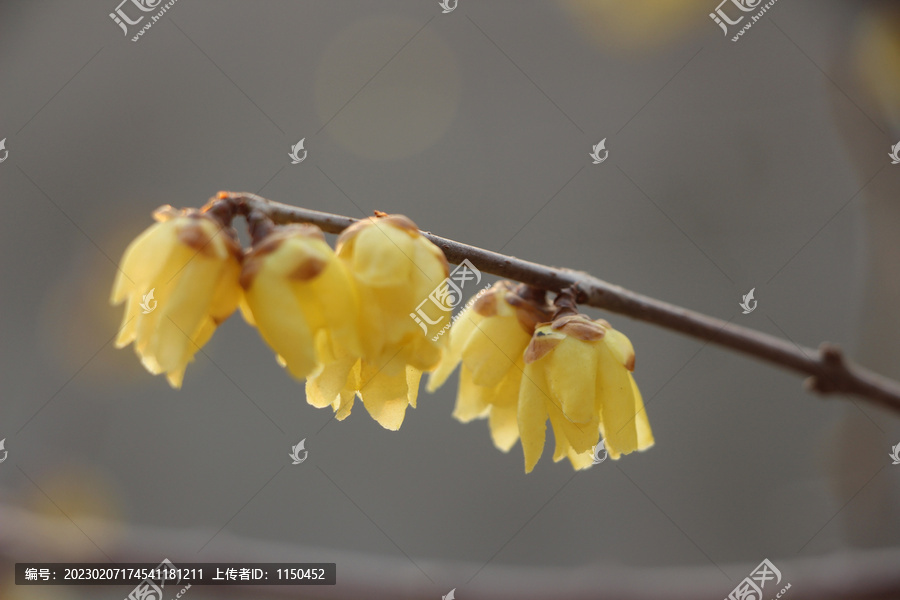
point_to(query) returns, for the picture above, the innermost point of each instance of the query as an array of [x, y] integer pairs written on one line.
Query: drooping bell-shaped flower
[[489, 338], [301, 298], [179, 280], [395, 270], [578, 374]]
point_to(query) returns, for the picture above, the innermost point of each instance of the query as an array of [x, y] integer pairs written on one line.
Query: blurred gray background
[[757, 164]]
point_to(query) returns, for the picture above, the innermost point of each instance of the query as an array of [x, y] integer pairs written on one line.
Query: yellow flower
[[301, 298], [180, 278], [489, 337], [395, 269], [578, 374]]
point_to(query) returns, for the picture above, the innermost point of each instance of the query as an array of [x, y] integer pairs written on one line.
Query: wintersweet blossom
[[179, 280]]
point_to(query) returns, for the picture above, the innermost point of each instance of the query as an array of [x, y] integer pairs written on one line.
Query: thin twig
[[829, 372]]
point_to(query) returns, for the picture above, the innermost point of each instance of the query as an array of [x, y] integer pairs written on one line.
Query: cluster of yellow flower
[[520, 366], [341, 319]]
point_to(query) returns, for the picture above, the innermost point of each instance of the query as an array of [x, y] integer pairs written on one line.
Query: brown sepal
[[541, 343], [579, 327]]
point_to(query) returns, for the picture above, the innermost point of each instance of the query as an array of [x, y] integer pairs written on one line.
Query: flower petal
[[644, 434], [471, 400], [385, 396], [532, 415], [572, 378], [324, 389], [504, 424], [617, 404], [492, 349]]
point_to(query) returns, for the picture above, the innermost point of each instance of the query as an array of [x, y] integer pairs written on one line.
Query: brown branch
[[828, 372], [30, 537]]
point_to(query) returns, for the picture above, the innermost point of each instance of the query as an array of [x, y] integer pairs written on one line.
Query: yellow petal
[[581, 460], [619, 344], [571, 376], [495, 345], [617, 404], [344, 403], [282, 323], [504, 424], [504, 401], [325, 388], [245, 311], [382, 256], [183, 314], [466, 323], [128, 328], [580, 436], [644, 434], [173, 259], [413, 376], [143, 258], [471, 400], [532, 415], [385, 396], [420, 351], [562, 445], [176, 376], [336, 293]]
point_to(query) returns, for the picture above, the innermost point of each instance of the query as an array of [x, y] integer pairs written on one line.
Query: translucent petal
[[144, 257], [282, 323], [471, 400], [413, 376], [532, 415], [325, 388], [382, 256], [572, 378], [581, 436], [644, 434], [385, 396], [343, 405], [617, 404], [182, 314], [504, 424], [128, 328], [581, 460], [620, 346], [492, 349]]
